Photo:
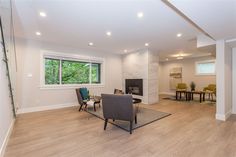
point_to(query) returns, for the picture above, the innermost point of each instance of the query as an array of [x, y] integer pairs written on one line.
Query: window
[[96, 72], [205, 67], [74, 72], [52, 71], [61, 71]]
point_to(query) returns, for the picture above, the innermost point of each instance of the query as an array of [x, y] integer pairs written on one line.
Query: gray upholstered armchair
[[119, 107]]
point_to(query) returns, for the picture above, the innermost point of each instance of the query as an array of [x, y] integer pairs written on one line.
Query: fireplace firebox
[[134, 86]]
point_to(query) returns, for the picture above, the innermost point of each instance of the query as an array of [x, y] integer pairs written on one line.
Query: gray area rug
[[144, 116]]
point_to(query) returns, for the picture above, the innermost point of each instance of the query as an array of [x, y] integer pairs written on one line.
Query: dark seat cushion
[[84, 93]]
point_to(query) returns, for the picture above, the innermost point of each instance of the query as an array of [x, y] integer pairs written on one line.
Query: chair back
[[212, 87], [79, 97], [181, 86], [119, 107], [84, 92]]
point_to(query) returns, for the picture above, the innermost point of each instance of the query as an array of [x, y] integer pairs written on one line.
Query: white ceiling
[[216, 17], [75, 23]]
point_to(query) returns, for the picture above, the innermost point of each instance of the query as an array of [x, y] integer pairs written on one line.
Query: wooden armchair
[[84, 99]]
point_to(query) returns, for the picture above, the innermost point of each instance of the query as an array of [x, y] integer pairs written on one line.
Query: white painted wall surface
[[6, 117], [153, 77], [203, 40], [32, 97], [224, 80], [143, 64], [6, 114], [188, 74], [135, 66], [234, 80]]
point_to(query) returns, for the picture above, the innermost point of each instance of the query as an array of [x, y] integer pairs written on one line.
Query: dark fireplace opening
[[134, 86]]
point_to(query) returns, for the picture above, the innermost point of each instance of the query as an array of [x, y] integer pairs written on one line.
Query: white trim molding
[[44, 108], [223, 117], [7, 137]]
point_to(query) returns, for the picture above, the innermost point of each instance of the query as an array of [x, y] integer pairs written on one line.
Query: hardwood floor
[[191, 131]]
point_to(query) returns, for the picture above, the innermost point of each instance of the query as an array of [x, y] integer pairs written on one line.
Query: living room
[[56, 53]]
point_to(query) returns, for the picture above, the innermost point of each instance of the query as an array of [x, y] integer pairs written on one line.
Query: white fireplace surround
[[142, 64]]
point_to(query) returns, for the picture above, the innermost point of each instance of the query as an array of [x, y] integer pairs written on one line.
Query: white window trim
[[202, 62], [69, 56]]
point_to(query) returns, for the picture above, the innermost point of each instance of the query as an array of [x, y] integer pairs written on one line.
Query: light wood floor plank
[[191, 131]]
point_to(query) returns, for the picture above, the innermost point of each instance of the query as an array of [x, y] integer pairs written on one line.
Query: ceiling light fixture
[[38, 33], [125, 51], [180, 57], [108, 33], [140, 14], [43, 14], [146, 44], [179, 35], [167, 59], [90, 44]]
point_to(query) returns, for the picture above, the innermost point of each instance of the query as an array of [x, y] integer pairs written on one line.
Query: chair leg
[[80, 107], [131, 127], [135, 119], [94, 107], [105, 124]]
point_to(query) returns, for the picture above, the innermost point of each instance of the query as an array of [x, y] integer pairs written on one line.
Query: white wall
[[143, 64], [135, 66], [234, 80], [224, 80], [188, 74], [6, 117], [6, 114], [153, 77], [31, 97]]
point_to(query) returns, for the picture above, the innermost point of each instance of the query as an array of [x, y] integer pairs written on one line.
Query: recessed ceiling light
[[167, 59], [146, 44], [38, 33], [90, 44], [43, 14], [125, 51], [140, 14], [179, 35], [108, 33]]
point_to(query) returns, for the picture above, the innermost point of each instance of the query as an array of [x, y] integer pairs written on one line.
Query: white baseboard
[[223, 117], [44, 108], [7, 137], [233, 111], [167, 93]]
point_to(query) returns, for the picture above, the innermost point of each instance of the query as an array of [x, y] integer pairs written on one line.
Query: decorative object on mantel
[[175, 77], [192, 86]]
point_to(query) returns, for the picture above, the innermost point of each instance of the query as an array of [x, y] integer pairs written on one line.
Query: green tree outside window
[[72, 72], [52, 67]]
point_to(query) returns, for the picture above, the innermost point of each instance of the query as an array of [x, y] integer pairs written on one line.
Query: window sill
[[58, 87], [205, 74]]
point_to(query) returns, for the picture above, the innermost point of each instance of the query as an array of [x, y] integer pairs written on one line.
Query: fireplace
[[134, 86]]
